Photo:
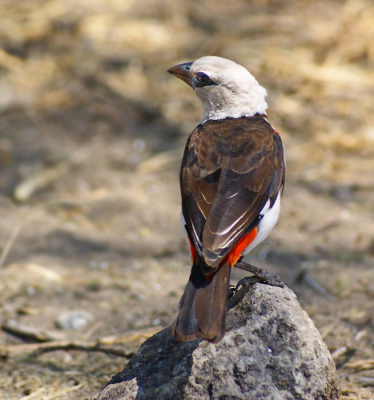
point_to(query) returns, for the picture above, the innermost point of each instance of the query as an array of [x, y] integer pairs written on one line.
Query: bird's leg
[[261, 275]]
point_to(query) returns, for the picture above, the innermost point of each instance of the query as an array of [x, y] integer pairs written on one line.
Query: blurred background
[[92, 131]]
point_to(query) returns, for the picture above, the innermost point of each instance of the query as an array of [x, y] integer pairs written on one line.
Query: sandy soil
[[92, 131]]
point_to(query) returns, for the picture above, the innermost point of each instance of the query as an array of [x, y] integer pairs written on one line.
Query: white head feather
[[236, 92]]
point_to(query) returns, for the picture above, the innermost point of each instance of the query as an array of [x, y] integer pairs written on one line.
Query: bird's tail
[[203, 305]]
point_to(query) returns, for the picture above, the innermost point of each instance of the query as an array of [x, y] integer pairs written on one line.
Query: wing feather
[[230, 169]]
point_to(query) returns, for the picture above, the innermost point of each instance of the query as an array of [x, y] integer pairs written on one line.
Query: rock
[[271, 350], [74, 320]]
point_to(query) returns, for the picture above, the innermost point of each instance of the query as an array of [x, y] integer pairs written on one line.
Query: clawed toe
[[274, 281], [251, 280], [260, 274], [247, 282]]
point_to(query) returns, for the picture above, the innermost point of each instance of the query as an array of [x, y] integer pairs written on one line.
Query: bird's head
[[226, 89]]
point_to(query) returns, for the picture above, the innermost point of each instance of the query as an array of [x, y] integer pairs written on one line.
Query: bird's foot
[[237, 293], [260, 274], [247, 282]]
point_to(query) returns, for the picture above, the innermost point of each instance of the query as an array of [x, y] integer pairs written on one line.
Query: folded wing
[[230, 169]]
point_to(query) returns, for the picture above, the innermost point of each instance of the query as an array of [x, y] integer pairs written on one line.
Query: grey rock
[[271, 351]]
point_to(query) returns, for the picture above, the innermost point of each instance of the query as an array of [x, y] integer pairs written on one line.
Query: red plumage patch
[[234, 254], [194, 257], [238, 249]]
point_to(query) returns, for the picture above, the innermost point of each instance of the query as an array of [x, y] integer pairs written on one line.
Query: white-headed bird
[[231, 179]]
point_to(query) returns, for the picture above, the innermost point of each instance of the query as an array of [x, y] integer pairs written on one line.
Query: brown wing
[[230, 169]]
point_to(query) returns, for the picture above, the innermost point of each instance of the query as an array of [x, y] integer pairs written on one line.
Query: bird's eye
[[202, 78]]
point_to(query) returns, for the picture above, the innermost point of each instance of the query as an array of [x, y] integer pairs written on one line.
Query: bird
[[231, 179]]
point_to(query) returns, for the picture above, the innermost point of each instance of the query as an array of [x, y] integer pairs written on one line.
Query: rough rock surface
[[271, 350]]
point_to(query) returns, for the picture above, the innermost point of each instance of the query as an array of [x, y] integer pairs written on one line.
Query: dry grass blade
[[344, 76], [339, 352], [28, 187], [9, 243], [160, 161], [349, 398], [360, 365], [38, 393], [34, 395], [65, 391]]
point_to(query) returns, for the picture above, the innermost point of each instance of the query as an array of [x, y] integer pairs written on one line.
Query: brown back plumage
[[230, 169]]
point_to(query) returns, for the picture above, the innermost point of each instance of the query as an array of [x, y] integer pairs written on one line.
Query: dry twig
[[129, 337], [31, 332], [54, 343], [36, 349]]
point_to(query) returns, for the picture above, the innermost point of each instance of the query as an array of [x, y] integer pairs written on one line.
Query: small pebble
[[30, 290], [138, 145], [262, 255], [75, 320], [104, 265]]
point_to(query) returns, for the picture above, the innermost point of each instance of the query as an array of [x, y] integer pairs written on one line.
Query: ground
[[92, 131]]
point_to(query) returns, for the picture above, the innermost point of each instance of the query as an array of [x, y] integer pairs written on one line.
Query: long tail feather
[[203, 306]]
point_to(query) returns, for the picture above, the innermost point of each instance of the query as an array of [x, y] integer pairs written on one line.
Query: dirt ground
[[92, 131]]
